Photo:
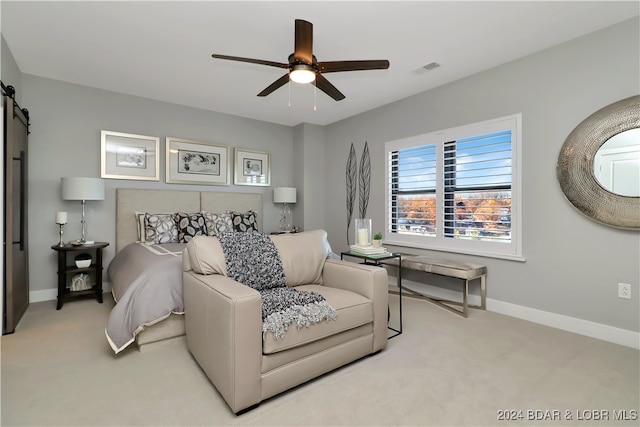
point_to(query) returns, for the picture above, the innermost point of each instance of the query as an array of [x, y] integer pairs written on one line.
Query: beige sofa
[[224, 324]]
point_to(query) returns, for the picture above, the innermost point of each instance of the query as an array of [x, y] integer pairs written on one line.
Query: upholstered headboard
[[129, 201]]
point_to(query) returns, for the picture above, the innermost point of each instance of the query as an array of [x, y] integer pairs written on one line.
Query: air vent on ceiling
[[431, 66]]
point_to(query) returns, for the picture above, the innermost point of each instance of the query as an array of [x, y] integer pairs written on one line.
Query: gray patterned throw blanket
[[253, 260]]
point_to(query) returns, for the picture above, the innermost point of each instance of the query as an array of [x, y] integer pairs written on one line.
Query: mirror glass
[[616, 164]]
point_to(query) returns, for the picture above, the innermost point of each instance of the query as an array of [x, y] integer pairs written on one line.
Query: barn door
[[15, 244]]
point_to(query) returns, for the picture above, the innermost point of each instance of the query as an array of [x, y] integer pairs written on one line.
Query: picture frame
[[194, 162], [252, 168], [129, 156]]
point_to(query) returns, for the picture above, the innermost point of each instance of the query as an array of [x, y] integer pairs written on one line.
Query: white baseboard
[[44, 295], [566, 323], [558, 321], [52, 294]]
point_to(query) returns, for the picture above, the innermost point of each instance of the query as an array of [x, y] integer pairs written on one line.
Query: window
[[457, 190]]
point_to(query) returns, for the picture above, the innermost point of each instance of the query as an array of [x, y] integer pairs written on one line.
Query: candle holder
[[61, 244], [363, 232]]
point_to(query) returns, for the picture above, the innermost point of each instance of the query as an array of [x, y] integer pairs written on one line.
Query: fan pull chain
[[289, 91], [315, 95]]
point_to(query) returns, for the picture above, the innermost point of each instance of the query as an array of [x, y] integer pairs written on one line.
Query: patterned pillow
[[217, 223], [246, 221], [140, 226], [189, 225], [160, 228]]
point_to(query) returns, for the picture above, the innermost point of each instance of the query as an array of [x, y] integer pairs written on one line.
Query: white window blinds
[[477, 187], [457, 189]]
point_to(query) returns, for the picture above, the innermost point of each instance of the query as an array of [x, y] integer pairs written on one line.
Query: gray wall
[[11, 75], [65, 141], [573, 265], [308, 171]]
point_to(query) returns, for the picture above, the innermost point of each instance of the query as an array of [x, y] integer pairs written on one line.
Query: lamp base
[[285, 219]]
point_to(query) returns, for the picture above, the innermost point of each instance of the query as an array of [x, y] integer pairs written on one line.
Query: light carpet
[[58, 369]]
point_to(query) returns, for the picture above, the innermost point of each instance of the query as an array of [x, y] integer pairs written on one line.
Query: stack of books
[[368, 250]]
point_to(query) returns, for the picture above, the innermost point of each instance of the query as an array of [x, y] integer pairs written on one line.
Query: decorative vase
[[363, 232], [377, 243]]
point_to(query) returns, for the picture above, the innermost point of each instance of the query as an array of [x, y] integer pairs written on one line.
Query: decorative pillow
[[189, 225], [217, 223], [302, 255], [205, 256], [140, 226], [246, 221], [160, 228]]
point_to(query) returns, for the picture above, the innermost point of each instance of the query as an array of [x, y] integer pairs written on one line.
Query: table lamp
[[83, 189], [285, 195]]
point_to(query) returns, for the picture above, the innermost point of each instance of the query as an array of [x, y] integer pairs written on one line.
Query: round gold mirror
[[605, 190]]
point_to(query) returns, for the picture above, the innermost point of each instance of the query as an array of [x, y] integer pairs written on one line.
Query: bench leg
[[483, 292], [465, 299], [446, 304]]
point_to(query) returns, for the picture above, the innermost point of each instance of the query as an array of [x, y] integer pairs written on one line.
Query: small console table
[[379, 261], [67, 267]]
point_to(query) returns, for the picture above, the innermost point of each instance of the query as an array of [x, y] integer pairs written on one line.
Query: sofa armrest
[[368, 281], [224, 333]]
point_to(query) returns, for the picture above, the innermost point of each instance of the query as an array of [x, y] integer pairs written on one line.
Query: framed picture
[[252, 168], [192, 162], [129, 156]]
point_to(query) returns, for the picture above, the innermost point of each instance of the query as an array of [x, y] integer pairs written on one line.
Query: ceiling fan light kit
[[303, 66], [302, 74]]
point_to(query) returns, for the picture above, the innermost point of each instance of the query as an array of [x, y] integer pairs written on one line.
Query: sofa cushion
[[303, 256], [206, 256], [353, 310]]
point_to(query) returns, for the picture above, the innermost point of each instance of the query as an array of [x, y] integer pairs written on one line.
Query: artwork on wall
[[355, 180], [352, 185], [252, 168], [129, 156], [193, 162], [364, 179]]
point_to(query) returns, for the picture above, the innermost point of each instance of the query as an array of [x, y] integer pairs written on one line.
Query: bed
[[146, 280]]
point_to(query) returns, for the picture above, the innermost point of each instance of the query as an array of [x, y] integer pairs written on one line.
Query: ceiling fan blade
[[251, 60], [275, 85], [303, 51], [335, 66], [324, 85]]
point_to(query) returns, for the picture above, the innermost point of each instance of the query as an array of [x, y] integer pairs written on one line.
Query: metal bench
[[443, 267]]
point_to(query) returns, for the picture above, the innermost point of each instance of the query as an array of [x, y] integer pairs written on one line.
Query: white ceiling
[[162, 50]]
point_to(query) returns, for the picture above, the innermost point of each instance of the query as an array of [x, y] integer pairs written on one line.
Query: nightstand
[[67, 270]]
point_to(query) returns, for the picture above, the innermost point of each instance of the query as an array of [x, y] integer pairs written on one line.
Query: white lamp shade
[[284, 195], [75, 188]]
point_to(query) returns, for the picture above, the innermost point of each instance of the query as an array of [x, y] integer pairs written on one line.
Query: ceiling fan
[[304, 68]]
